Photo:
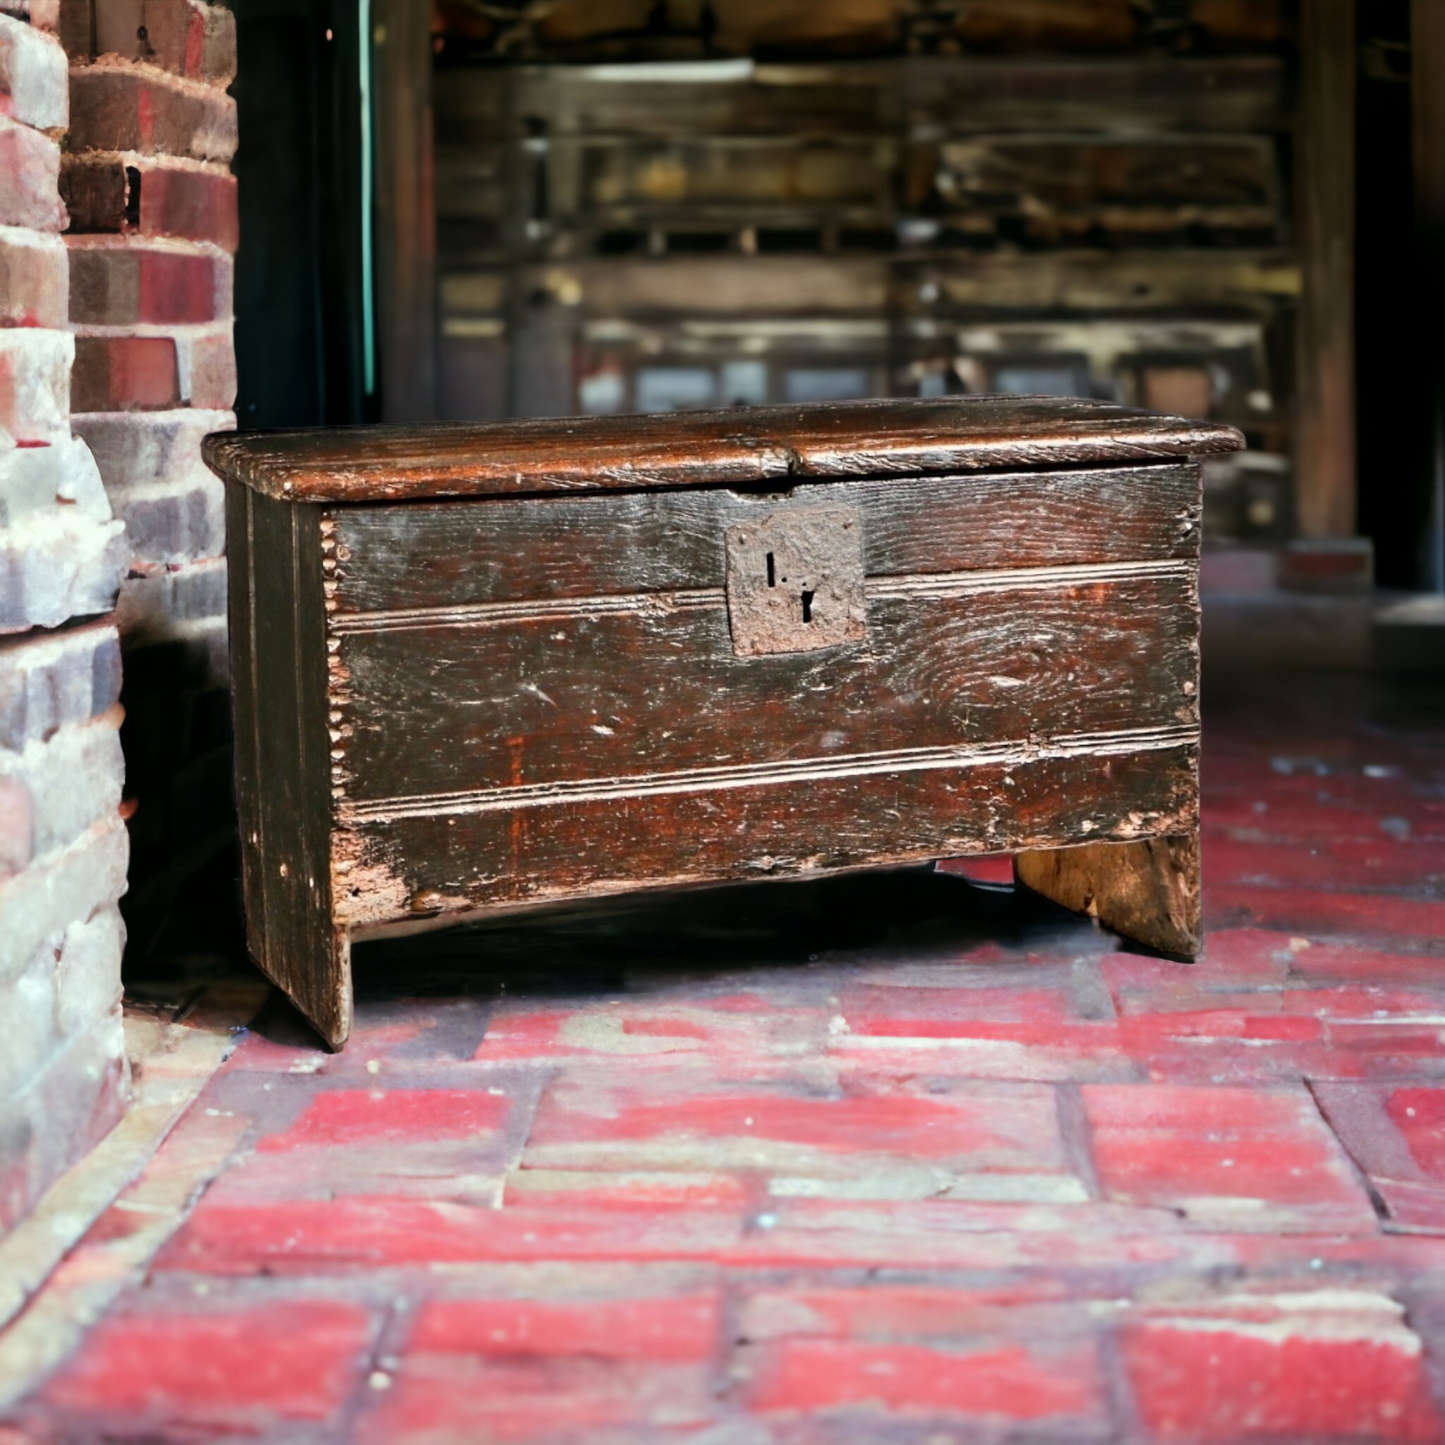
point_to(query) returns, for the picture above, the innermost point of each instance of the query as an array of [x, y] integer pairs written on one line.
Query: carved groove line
[[755, 775], [943, 584]]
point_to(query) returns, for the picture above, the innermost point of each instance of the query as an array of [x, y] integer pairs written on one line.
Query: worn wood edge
[[848, 441], [1147, 890], [725, 777], [330, 1010]]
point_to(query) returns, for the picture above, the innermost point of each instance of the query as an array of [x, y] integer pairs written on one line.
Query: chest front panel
[[551, 696]]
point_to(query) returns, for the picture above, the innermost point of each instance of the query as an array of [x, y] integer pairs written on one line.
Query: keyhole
[[808, 606], [772, 572]]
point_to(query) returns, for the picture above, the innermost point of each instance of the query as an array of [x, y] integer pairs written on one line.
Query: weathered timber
[[555, 685], [1146, 890], [590, 692], [481, 854], [718, 448], [278, 665], [433, 554]]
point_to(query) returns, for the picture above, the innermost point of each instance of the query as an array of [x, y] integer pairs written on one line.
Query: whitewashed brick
[[61, 553], [34, 74], [87, 984], [181, 521], [51, 679], [57, 567], [172, 504], [61, 1114], [73, 779], [151, 606], [34, 279], [54, 891], [70, 984], [35, 383], [43, 480]]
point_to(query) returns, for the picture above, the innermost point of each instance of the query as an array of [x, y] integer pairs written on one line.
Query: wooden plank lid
[[742, 447]]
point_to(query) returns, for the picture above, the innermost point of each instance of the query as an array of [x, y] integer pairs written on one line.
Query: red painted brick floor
[[888, 1158]]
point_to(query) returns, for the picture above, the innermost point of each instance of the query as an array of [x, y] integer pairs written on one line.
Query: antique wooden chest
[[485, 667]]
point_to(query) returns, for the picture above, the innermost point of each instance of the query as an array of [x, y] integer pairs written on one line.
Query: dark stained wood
[[444, 709], [278, 650], [741, 447], [434, 554], [498, 701], [1146, 890], [457, 860], [1325, 207]]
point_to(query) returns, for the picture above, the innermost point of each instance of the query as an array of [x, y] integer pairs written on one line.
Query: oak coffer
[[483, 667]]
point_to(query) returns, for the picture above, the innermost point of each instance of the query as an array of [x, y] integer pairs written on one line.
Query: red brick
[[1205, 1381], [987, 868], [124, 373], [114, 107], [1419, 1114], [33, 281], [1396, 1135], [441, 1399], [1352, 864], [681, 1328], [1009, 1383], [29, 179], [893, 1312], [186, 37], [1015, 1030], [1245, 1158], [996, 1126], [212, 370], [321, 1235], [378, 1117], [1368, 917], [148, 196], [118, 285], [738, 1034], [1242, 969], [253, 1366]]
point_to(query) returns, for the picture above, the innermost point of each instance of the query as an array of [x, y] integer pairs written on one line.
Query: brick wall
[[63, 845], [152, 233]]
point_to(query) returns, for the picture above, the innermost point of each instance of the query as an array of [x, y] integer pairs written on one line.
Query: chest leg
[[1147, 891]]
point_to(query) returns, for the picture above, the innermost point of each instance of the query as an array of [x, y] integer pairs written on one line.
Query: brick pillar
[[152, 233], [62, 842]]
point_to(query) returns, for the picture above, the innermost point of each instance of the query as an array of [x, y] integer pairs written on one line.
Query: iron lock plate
[[795, 581]]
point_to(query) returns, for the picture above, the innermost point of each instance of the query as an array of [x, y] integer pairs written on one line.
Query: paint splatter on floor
[[898, 1157]]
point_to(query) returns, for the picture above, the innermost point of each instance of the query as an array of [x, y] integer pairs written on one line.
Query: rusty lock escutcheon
[[795, 581]]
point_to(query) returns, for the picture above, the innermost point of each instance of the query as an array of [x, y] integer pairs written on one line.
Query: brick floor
[[899, 1158]]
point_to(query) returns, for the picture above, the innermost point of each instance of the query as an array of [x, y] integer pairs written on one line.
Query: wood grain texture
[[278, 643], [443, 861], [502, 700], [1147, 890], [437, 554], [741, 447], [446, 708]]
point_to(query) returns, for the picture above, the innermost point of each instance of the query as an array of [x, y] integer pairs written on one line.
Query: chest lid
[[743, 447]]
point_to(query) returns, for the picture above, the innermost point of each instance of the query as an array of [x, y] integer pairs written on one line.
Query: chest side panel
[[495, 747]]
